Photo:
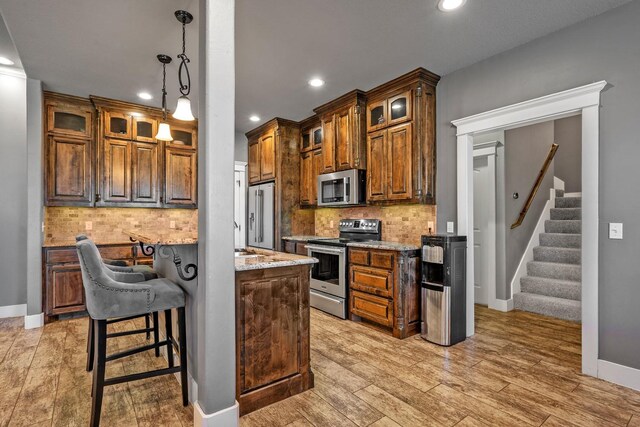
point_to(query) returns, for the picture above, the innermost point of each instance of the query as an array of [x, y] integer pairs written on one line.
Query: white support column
[[590, 168], [465, 216], [216, 369]]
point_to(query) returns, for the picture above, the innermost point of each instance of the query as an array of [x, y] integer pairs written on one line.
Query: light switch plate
[[88, 225], [615, 230], [450, 227], [172, 224]]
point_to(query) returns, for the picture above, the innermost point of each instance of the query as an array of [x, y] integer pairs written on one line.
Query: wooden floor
[[519, 369]]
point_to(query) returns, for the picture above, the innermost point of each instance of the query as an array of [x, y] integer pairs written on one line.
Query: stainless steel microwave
[[344, 188]]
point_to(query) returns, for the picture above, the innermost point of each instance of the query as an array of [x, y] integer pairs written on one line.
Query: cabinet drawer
[[301, 248], [290, 247], [65, 293], [67, 255], [382, 260], [116, 252], [372, 280], [358, 256], [371, 307]]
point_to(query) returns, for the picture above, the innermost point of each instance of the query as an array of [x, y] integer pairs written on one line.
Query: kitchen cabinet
[[306, 178], [181, 177], [145, 129], [385, 289], [262, 157], [116, 172], [117, 124], [310, 160], [62, 277], [69, 151], [400, 121], [295, 247], [343, 132], [145, 161]]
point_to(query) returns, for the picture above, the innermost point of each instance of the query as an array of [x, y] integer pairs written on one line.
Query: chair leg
[[90, 346], [182, 330], [169, 330], [147, 324], [156, 332], [98, 371]]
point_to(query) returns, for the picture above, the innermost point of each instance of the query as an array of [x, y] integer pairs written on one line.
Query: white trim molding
[[583, 100], [619, 374], [503, 305], [224, 418], [17, 310], [32, 321]]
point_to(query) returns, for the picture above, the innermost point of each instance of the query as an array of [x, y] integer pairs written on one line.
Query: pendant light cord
[[185, 89], [164, 92]]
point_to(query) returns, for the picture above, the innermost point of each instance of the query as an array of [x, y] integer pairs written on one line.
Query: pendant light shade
[[164, 132], [183, 109]]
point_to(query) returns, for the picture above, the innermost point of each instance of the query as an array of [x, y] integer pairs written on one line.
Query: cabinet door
[[344, 140], [144, 177], [376, 115], [399, 170], [180, 176], [399, 108], [116, 179], [305, 140], [254, 162], [144, 129], [377, 170], [183, 136], [328, 145], [268, 156], [64, 291], [317, 170], [117, 125], [374, 308], [69, 121], [306, 177], [68, 171], [316, 137]]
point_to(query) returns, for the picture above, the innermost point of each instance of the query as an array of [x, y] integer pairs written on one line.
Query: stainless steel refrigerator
[[261, 215]]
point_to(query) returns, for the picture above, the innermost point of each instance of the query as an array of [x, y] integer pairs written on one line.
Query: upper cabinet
[[401, 140], [310, 160], [263, 151], [343, 125], [69, 150], [144, 129]]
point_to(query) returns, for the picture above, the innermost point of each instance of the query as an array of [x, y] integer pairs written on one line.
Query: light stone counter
[[260, 259], [389, 246]]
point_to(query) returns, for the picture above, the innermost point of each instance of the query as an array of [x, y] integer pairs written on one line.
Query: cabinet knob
[[380, 120], [97, 197]]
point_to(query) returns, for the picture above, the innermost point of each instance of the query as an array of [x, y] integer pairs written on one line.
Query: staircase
[[552, 286]]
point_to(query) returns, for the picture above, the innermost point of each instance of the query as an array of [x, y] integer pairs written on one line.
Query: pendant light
[[164, 131], [183, 109]]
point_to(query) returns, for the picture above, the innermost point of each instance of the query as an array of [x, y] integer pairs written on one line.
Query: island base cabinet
[[272, 335]]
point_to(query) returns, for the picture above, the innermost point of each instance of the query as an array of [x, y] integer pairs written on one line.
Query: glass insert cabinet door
[[69, 121], [305, 143], [317, 137], [399, 108], [377, 115]]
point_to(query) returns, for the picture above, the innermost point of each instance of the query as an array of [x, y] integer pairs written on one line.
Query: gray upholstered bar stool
[[109, 297], [121, 267]]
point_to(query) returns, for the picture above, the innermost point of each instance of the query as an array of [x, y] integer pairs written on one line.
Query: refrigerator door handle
[[260, 208], [255, 234]]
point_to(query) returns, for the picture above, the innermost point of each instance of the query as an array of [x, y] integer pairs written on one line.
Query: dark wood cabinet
[[181, 177], [144, 129], [254, 161], [328, 144], [377, 171], [262, 157], [306, 177], [69, 116], [390, 174], [310, 160], [295, 247], [145, 184], [117, 124], [385, 289], [116, 171]]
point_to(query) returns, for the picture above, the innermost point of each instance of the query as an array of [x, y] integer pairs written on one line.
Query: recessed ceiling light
[[254, 118], [449, 5], [316, 82], [145, 95], [6, 61]]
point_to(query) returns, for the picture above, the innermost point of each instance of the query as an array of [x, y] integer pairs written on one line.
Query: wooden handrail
[[536, 186]]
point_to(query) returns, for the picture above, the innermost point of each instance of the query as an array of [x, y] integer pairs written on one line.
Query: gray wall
[[526, 149], [605, 47], [568, 159], [240, 152], [13, 176]]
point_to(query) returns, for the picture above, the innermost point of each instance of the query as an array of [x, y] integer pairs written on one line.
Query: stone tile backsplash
[[62, 224]]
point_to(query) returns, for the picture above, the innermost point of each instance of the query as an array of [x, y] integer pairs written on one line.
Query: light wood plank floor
[[519, 369]]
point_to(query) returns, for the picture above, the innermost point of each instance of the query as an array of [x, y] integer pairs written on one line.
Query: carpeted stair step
[[566, 213], [561, 255], [566, 289], [561, 240], [548, 306], [563, 226], [555, 270], [568, 202], [559, 193]]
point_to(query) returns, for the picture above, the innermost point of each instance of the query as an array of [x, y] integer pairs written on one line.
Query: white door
[[481, 216], [239, 206]]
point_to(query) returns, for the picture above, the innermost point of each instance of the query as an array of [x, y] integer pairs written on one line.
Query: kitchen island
[[272, 327]]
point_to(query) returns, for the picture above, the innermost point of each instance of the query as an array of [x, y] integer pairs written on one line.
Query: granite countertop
[[304, 238], [260, 259], [67, 243], [390, 246], [173, 237]]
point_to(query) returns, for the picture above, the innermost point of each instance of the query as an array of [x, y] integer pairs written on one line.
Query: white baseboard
[[228, 417], [34, 321], [502, 305], [18, 310], [619, 374]]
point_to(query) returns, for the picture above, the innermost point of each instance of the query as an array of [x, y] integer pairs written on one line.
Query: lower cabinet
[[385, 289], [63, 290], [295, 247]]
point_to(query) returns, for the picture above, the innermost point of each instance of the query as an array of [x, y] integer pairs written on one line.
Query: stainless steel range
[[329, 277]]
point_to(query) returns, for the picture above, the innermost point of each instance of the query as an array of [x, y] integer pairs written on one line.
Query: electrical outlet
[[88, 225], [330, 224], [172, 224], [450, 227], [615, 230], [430, 226]]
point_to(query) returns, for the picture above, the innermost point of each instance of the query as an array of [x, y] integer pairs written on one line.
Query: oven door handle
[[324, 249]]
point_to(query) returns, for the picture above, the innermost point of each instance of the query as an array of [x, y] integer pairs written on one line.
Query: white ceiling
[[7, 49], [108, 48]]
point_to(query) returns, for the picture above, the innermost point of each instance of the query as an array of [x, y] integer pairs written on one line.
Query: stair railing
[[536, 186]]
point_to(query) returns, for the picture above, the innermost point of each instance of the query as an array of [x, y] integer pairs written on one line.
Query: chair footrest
[[136, 331], [141, 375], [135, 350]]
